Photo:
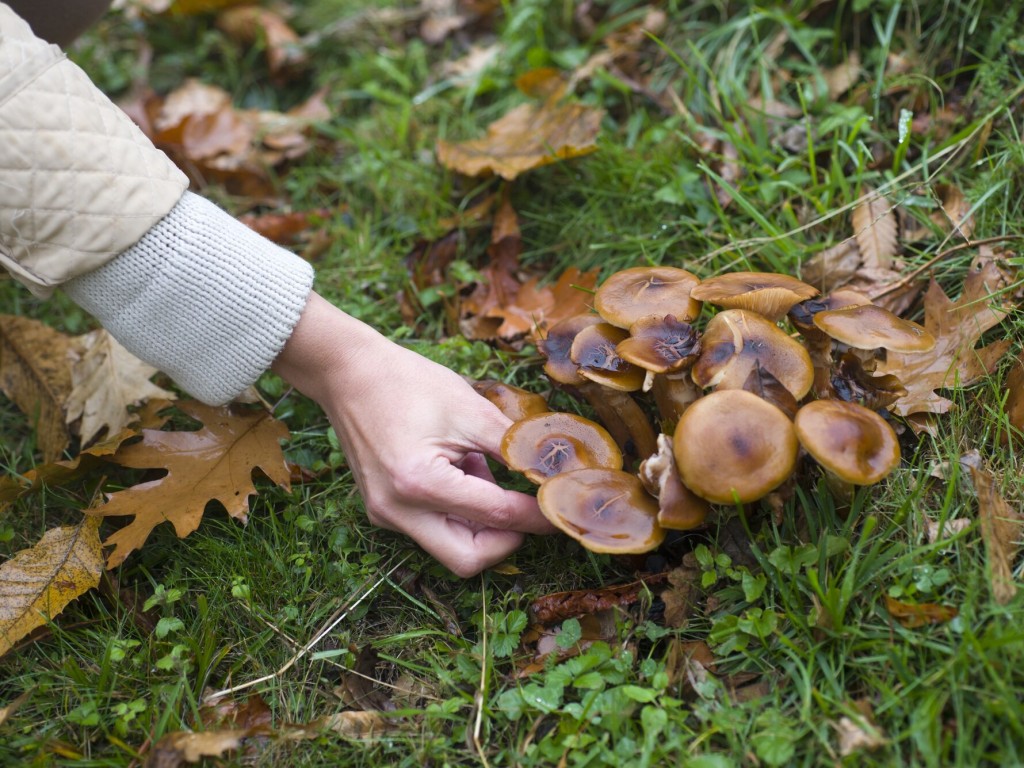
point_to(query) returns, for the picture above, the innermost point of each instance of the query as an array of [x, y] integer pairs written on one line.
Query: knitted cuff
[[201, 297]]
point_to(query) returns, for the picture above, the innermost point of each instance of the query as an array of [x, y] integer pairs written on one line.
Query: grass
[[795, 606]]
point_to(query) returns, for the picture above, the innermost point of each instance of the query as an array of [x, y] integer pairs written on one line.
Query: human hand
[[416, 437]]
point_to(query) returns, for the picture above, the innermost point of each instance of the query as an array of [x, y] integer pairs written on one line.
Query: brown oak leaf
[[957, 327], [214, 463]]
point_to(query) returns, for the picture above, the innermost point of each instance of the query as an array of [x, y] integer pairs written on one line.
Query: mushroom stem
[[674, 393], [623, 418]]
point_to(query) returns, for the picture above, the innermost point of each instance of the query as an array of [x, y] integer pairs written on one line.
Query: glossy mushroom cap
[[544, 445], [766, 293], [679, 508], [630, 294], [603, 509], [872, 327], [854, 443], [514, 402], [731, 446], [737, 341], [556, 344], [660, 344], [802, 314], [594, 351]]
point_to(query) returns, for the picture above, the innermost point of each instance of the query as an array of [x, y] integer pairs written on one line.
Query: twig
[[331, 624]]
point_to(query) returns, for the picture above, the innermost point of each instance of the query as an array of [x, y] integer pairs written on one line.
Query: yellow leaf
[[214, 463], [527, 137], [106, 380], [35, 374], [37, 583]]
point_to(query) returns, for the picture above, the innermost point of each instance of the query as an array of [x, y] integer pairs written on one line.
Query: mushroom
[[630, 294], [736, 341], [615, 409], [546, 444], [850, 382], [851, 442], [594, 351], [761, 383], [514, 402], [869, 326], [679, 508], [766, 293], [817, 342], [733, 447], [603, 509]]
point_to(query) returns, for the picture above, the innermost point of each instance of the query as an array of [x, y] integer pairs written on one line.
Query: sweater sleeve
[[201, 297]]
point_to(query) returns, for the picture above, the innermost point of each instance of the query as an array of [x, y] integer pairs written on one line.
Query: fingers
[[458, 546]]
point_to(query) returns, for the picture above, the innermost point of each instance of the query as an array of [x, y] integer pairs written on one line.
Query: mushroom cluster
[[692, 412]]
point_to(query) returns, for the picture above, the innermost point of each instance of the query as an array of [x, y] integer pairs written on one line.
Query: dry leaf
[[527, 137], [957, 327], [214, 463], [352, 724], [913, 615], [858, 736], [106, 381], [875, 227], [179, 747], [250, 23], [1001, 529], [286, 228], [35, 375], [10, 709], [558, 606], [1014, 404], [841, 78], [38, 583]]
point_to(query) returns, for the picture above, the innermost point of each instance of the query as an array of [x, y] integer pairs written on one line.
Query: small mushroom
[[630, 294], [556, 344], [665, 348], [850, 441], [514, 402], [679, 508], [733, 447], [736, 341], [605, 510], [594, 351], [547, 444], [766, 293], [869, 326], [818, 343]]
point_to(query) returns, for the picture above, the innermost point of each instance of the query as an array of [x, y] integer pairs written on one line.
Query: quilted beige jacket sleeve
[[79, 182]]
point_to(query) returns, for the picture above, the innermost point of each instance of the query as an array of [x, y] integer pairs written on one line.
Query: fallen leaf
[[957, 327], [10, 709], [875, 228], [35, 375], [286, 228], [251, 715], [937, 531], [558, 606], [1013, 407], [214, 463], [352, 724], [914, 615], [833, 267], [179, 747], [528, 137], [106, 381], [360, 688], [860, 734], [249, 24], [1001, 530], [38, 583], [680, 597], [842, 77]]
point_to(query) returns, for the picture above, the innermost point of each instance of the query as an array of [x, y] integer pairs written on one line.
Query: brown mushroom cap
[[849, 440], [660, 344], [556, 344], [593, 350], [766, 293], [736, 341], [869, 326], [679, 508], [732, 446], [544, 445], [802, 314], [630, 294], [603, 509], [514, 402]]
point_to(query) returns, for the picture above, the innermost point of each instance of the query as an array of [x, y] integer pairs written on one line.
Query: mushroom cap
[[593, 350], [556, 344], [630, 294], [737, 341], [679, 508], [514, 402], [546, 444], [732, 446], [605, 510], [849, 440], [802, 314], [660, 344], [869, 326], [766, 293]]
